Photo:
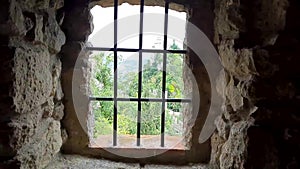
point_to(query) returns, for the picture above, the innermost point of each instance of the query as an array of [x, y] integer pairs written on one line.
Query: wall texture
[[259, 47], [31, 93], [77, 26], [258, 42]]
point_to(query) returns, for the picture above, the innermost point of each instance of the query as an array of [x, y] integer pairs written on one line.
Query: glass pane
[[174, 81], [128, 26], [101, 82], [130, 42], [153, 27], [174, 44], [174, 119], [152, 75], [150, 124], [127, 124], [128, 74], [125, 10], [176, 30], [103, 129], [174, 125], [103, 33], [153, 41]]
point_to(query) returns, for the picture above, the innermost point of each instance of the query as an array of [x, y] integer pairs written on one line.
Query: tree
[[102, 85]]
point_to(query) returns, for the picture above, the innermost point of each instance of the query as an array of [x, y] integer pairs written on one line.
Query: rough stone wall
[[277, 91], [243, 32], [193, 124], [258, 42], [258, 45], [31, 107], [175, 5], [77, 26]]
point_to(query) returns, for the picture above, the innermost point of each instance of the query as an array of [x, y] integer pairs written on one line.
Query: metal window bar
[[115, 120], [163, 107], [136, 50], [138, 139], [139, 99]]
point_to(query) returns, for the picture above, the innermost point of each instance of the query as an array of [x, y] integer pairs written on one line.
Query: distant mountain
[[130, 64]]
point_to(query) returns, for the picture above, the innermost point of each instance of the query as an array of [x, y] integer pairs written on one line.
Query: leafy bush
[[101, 84]]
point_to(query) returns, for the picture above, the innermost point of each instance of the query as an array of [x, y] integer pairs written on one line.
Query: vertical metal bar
[[115, 124], [138, 140], [163, 106]]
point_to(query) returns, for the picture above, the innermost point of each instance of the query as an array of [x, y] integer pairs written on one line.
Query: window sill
[[140, 155], [147, 142]]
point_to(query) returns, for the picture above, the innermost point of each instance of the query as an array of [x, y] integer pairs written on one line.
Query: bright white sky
[[105, 16], [103, 35]]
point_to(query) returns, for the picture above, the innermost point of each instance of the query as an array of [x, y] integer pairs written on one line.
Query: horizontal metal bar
[[142, 99], [136, 50]]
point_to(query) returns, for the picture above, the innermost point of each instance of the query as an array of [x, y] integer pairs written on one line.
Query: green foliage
[[102, 75], [102, 85], [126, 125], [102, 126], [127, 116], [150, 118]]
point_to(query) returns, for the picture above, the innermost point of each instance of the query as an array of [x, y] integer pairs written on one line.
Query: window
[[142, 95], [78, 120]]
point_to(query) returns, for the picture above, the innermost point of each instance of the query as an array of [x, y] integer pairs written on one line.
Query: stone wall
[[277, 121], [197, 12], [258, 44], [31, 94], [229, 143], [77, 26]]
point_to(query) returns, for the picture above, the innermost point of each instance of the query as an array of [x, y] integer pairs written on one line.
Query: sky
[[150, 41], [103, 35]]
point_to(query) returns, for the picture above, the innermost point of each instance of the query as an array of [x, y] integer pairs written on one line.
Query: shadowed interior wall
[[31, 93], [258, 44]]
